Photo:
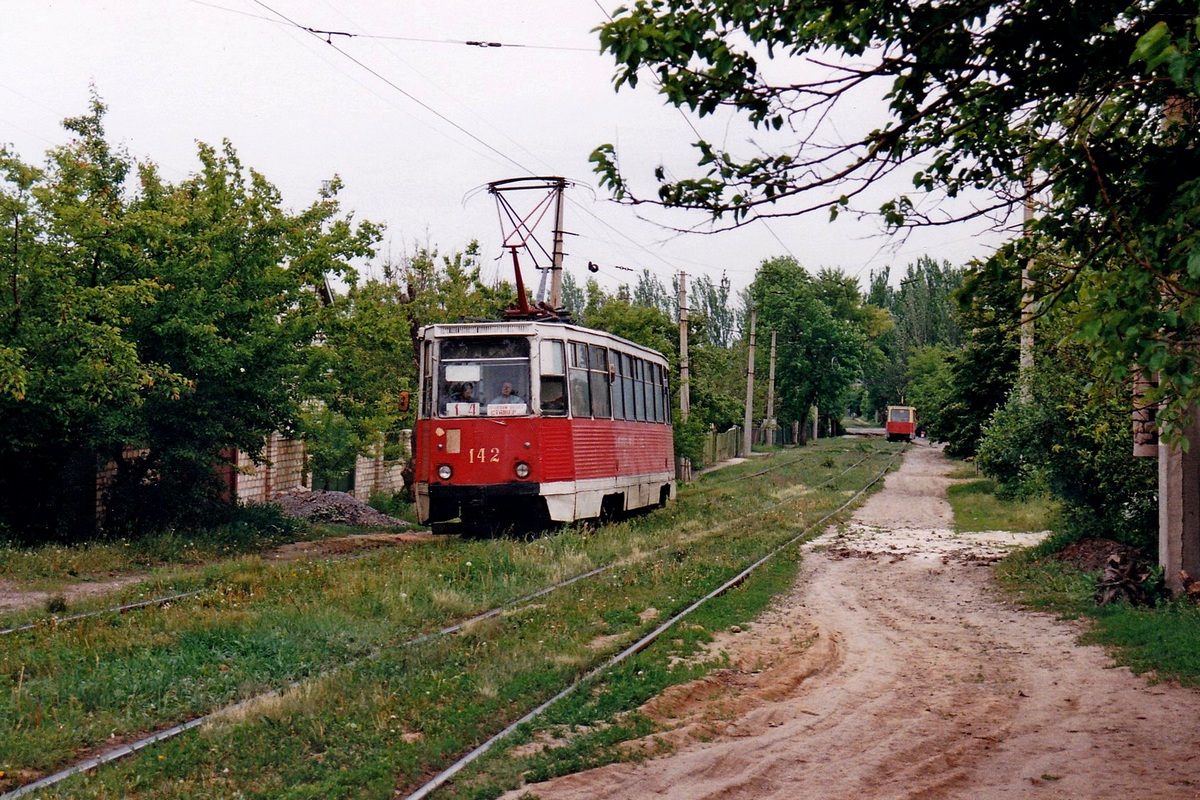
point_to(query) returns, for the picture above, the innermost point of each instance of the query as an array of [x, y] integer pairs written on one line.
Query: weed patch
[[976, 508]]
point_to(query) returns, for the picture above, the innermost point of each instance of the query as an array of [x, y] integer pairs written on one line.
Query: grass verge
[[976, 508], [1161, 643]]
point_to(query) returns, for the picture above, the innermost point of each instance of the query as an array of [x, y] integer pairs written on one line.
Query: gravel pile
[[335, 507]]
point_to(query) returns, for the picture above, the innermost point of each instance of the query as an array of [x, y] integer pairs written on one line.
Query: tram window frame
[[425, 409], [656, 383], [639, 396], [552, 376], [628, 387], [578, 381], [617, 385], [598, 381]]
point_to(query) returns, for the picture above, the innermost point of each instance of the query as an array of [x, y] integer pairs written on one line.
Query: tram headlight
[[522, 469], [444, 472]]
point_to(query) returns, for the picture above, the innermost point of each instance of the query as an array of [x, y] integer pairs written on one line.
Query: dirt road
[[895, 670]]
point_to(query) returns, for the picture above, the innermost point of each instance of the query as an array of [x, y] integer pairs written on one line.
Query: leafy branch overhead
[[1087, 110]]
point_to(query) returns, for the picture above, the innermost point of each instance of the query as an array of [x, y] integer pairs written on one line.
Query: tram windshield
[[483, 377], [900, 415]]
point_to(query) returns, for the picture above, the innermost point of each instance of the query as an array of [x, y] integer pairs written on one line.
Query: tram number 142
[[483, 455]]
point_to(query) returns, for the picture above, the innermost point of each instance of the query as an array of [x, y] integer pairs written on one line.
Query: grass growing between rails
[[976, 508], [1162, 643], [358, 712]]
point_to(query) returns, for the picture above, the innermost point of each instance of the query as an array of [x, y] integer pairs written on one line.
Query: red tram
[[533, 421], [901, 423]]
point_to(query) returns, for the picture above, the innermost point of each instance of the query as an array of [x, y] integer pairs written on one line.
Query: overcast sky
[[413, 119]]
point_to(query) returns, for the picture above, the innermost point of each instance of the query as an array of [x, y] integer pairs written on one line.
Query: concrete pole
[[1179, 508], [1025, 368], [556, 256], [747, 432], [684, 385], [769, 423]]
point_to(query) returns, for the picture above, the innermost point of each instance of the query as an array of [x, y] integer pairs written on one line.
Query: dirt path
[[894, 670]]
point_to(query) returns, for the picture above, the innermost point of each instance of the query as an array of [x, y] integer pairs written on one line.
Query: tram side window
[[628, 386], [639, 393], [665, 391], [598, 379], [656, 370], [554, 378], [581, 396], [618, 385]]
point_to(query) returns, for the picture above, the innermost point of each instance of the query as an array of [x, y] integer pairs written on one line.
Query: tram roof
[[532, 328]]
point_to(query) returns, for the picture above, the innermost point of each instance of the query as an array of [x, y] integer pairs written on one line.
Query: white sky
[[415, 141]]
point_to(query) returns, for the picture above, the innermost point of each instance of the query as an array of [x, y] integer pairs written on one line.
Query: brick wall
[[281, 470]]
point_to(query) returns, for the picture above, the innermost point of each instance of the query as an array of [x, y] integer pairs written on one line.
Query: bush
[[1078, 446], [689, 440]]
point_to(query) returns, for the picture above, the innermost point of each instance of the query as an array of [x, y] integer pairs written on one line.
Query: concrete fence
[[282, 468]]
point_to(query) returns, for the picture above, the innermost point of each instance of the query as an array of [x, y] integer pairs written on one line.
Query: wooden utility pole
[[747, 432], [769, 423], [684, 386]]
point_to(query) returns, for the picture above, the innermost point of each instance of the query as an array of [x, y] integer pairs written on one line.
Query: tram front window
[[484, 377]]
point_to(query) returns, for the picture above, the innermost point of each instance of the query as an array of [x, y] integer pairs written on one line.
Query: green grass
[[976, 508], [369, 715]]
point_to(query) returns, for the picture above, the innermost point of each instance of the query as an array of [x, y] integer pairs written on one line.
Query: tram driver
[[507, 396]]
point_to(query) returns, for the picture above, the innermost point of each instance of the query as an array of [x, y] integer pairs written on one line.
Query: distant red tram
[[901, 423], [534, 421]]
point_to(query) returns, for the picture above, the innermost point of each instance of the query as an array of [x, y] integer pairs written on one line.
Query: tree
[[1087, 110], [156, 329], [1072, 439], [819, 355], [922, 313], [367, 355]]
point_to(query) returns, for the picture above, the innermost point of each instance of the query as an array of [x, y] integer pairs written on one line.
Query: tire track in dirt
[[894, 670]]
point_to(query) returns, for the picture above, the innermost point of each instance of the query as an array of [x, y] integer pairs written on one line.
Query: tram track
[[49, 623], [163, 735], [641, 644]]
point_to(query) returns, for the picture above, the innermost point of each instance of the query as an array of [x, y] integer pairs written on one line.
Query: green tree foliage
[[983, 370], [367, 355], [1072, 438], [930, 381], [174, 320], [819, 354], [1089, 110], [923, 313]]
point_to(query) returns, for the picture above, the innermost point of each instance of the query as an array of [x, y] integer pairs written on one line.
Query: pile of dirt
[[1091, 555], [335, 507]]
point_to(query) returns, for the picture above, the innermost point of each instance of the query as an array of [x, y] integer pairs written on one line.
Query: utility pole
[[770, 421], [1025, 368], [556, 256], [684, 386], [747, 437]]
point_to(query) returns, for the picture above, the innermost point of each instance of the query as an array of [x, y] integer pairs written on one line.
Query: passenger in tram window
[[507, 396], [553, 401], [465, 394]]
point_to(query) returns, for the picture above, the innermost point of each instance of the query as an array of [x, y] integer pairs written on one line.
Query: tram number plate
[[485, 455]]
